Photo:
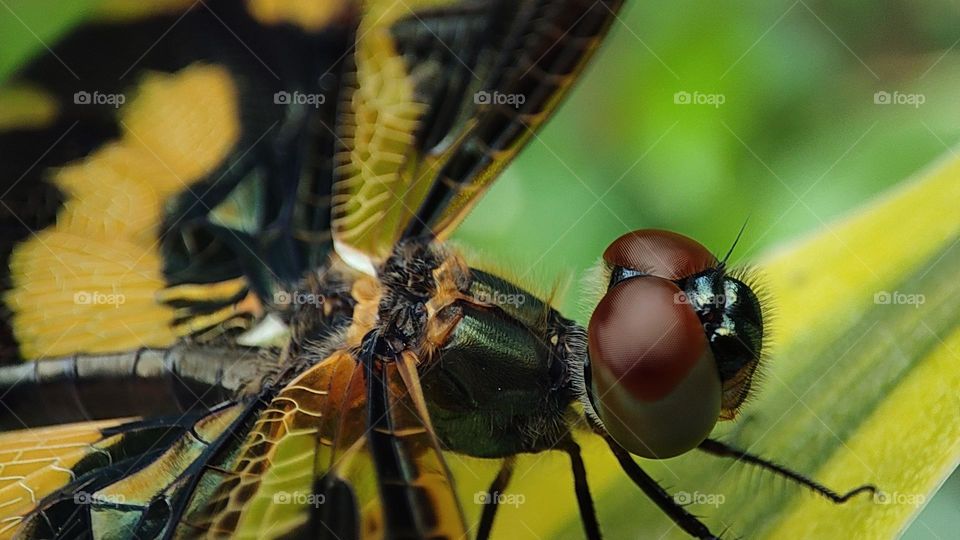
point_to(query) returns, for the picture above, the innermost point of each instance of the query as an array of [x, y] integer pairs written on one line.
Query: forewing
[[161, 171], [443, 95]]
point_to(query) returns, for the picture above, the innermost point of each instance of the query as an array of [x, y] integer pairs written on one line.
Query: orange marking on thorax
[[366, 291]]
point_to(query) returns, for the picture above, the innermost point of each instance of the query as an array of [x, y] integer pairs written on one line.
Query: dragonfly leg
[[588, 514], [685, 520], [717, 448], [491, 502]]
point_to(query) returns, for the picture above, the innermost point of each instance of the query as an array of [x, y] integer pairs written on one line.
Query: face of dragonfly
[[674, 343]]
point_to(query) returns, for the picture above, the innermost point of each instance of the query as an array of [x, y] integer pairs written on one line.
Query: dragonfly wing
[[340, 453], [158, 150], [109, 477], [444, 95], [135, 434]]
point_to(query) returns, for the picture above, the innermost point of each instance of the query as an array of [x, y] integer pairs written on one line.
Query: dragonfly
[[230, 306]]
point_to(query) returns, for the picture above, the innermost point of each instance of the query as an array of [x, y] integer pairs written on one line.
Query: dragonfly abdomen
[[145, 382]]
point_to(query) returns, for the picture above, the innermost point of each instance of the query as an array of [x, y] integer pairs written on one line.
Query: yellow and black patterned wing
[[163, 169], [345, 450], [133, 435], [443, 94]]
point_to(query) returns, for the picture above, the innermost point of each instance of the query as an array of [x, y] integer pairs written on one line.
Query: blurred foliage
[[798, 141], [29, 26]]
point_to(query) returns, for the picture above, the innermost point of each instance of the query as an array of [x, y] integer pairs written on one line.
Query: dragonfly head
[[673, 344]]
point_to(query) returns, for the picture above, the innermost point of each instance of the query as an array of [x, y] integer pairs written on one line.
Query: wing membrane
[[107, 475], [70, 480], [340, 452], [444, 95], [164, 154]]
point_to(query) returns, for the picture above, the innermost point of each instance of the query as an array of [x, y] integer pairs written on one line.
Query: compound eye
[[655, 381], [660, 253]]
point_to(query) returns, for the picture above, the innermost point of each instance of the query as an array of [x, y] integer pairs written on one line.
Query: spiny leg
[[491, 503], [685, 520], [588, 514], [720, 449]]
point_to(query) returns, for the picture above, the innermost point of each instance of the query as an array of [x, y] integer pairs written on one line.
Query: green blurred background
[[798, 141]]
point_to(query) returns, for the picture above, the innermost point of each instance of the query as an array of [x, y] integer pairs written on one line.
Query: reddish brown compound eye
[[655, 380], [659, 253]]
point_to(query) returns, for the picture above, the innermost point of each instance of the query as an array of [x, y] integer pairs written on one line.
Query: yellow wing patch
[[310, 16], [88, 282], [266, 493], [374, 176], [36, 462], [380, 181]]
